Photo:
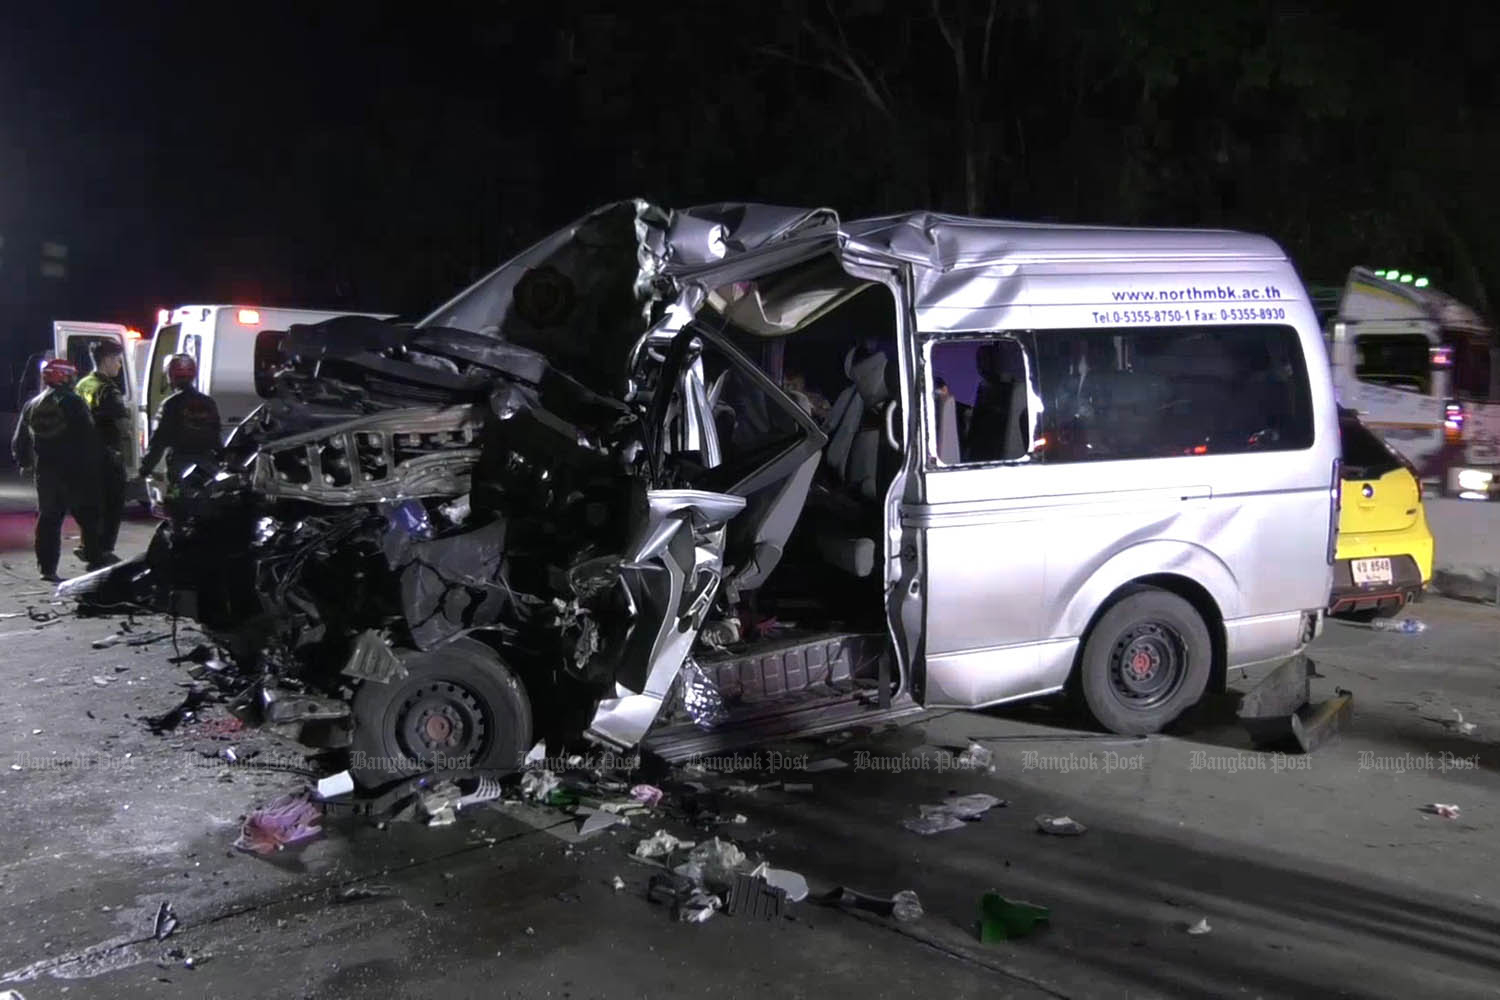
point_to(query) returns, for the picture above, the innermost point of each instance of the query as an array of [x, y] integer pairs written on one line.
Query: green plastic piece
[[1001, 919]]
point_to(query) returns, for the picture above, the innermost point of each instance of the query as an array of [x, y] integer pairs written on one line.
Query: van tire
[[456, 701], [1147, 660]]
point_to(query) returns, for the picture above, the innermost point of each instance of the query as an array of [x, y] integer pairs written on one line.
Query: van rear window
[[1116, 394]]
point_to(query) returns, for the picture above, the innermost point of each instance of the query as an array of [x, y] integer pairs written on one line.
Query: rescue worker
[[100, 389], [55, 439], [187, 425]]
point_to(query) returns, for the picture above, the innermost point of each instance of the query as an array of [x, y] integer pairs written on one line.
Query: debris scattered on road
[[485, 789], [335, 785], [952, 813], [753, 897], [1443, 809], [1060, 826], [690, 902], [618, 884], [355, 893], [148, 638], [440, 803], [1466, 728], [903, 906], [796, 786], [290, 819], [598, 821], [699, 905], [660, 844], [108, 641], [719, 861], [165, 923], [647, 794], [1001, 919], [538, 785], [825, 764], [977, 758], [1201, 927], [789, 882], [1408, 626], [183, 712], [102, 681]]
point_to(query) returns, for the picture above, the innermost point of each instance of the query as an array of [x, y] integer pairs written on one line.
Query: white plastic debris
[[698, 907], [618, 884], [790, 882], [486, 790], [934, 822], [536, 754], [952, 813], [740, 819], [977, 758], [1467, 728], [439, 803], [598, 821], [720, 859], [1060, 826], [826, 764], [906, 907], [1443, 809], [335, 785], [796, 786], [537, 785], [660, 844], [1201, 927]]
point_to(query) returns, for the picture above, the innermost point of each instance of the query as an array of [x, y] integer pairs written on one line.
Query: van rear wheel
[[1145, 662]]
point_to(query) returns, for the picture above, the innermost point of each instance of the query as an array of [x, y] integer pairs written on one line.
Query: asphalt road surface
[[1317, 875]]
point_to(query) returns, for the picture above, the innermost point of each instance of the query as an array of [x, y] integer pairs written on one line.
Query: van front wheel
[[1146, 661]]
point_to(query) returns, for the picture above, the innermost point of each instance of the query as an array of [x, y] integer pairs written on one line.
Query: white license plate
[[1371, 570]]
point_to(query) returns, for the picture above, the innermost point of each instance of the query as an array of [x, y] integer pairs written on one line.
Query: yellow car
[[1384, 555]]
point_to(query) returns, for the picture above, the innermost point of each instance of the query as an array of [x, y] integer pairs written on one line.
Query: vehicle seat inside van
[[997, 424], [846, 522]]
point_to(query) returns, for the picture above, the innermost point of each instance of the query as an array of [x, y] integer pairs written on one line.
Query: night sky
[[353, 156]]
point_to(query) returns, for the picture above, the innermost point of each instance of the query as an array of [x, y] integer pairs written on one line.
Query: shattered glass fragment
[[701, 698]]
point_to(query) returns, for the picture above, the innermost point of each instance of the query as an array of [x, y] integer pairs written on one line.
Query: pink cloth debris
[[289, 820], [648, 794]]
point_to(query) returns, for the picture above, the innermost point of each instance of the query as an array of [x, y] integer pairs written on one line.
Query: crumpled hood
[[586, 293]]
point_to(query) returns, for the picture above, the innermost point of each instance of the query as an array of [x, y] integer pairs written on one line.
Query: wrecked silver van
[[686, 478]]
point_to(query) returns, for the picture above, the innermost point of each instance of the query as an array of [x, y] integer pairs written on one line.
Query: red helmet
[[58, 372], [181, 370]]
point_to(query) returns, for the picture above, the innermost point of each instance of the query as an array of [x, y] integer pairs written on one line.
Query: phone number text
[[1190, 315]]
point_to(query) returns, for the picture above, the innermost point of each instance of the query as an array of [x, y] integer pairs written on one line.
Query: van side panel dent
[[1081, 593]]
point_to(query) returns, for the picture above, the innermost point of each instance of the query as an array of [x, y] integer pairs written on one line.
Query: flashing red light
[[1453, 422], [132, 334], [1441, 357], [249, 317]]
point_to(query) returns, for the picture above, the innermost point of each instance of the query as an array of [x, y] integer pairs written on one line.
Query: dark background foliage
[[380, 157]]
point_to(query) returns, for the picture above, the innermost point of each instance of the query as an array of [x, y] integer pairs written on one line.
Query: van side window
[[1154, 392], [979, 401]]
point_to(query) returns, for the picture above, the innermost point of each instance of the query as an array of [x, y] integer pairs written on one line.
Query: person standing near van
[[100, 389], [187, 425], [55, 439]]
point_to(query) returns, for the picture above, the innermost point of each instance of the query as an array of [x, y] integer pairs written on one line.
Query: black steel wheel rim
[[1148, 664], [443, 720]]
